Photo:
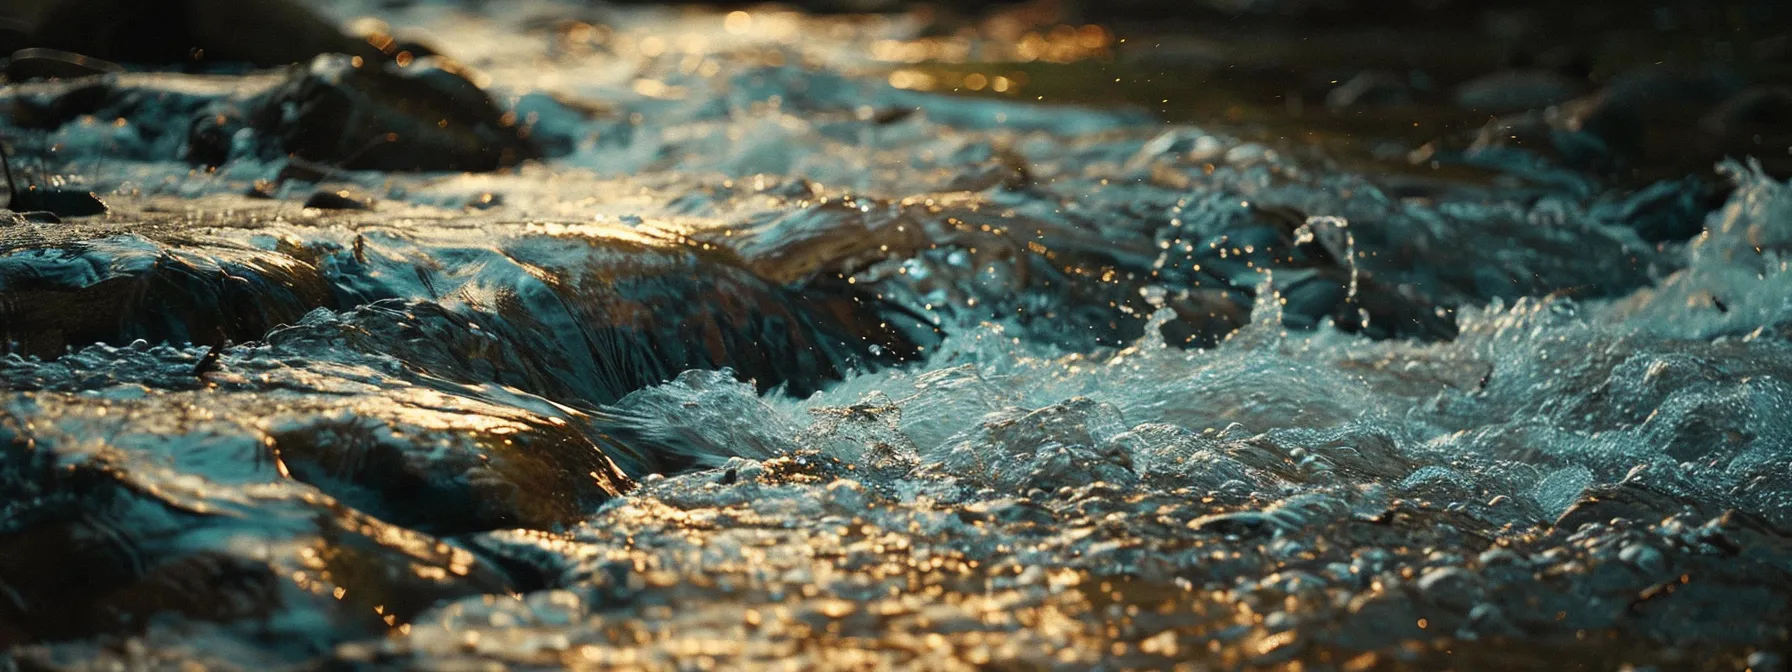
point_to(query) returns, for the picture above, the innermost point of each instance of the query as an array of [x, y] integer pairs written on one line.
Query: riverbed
[[899, 340]]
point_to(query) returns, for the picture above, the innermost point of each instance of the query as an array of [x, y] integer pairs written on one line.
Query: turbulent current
[[776, 359]]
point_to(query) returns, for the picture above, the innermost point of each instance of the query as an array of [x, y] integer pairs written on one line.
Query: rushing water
[[773, 362]]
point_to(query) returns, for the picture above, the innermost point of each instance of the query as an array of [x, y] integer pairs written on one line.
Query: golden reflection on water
[[930, 57]]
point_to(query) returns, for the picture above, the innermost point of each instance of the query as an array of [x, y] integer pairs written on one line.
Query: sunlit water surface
[[445, 465]]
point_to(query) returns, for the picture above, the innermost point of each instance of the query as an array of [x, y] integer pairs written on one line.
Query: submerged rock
[[96, 542], [61, 293], [588, 315], [341, 199]]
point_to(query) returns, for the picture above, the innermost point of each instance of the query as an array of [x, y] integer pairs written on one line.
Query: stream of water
[[785, 354]]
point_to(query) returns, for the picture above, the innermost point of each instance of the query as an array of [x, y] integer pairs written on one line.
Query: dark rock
[[57, 297], [210, 138], [1380, 310], [1646, 113], [339, 199], [58, 104], [90, 546], [56, 202], [1309, 301], [1631, 501], [425, 116], [1665, 211], [631, 315], [486, 201], [1766, 489], [1205, 316], [334, 113], [429, 475], [208, 362], [300, 170]]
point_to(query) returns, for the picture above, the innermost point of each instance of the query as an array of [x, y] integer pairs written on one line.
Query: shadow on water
[[1054, 335]]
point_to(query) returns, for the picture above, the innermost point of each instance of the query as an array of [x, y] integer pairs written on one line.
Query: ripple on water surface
[[677, 398]]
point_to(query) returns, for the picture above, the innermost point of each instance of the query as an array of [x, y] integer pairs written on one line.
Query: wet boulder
[[339, 111], [575, 318], [359, 426], [480, 466], [1669, 210], [1205, 317], [58, 293], [1628, 500], [339, 199], [45, 204], [173, 117], [1311, 261], [594, 318], [101, 537], [1645, 115], [344, 111]]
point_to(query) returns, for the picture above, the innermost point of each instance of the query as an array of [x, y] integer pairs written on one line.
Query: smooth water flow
[[783, 353]]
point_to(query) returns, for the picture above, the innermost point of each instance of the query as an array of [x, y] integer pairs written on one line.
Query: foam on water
[[1046, 488], [1535, 402]]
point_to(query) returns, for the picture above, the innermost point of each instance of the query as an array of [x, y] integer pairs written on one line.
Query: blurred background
[[1647, 90]]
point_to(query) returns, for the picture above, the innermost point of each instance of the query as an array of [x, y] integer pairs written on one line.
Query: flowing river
[[760, 338]]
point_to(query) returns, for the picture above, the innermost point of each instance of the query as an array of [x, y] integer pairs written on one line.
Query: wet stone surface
[[642, 338]]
